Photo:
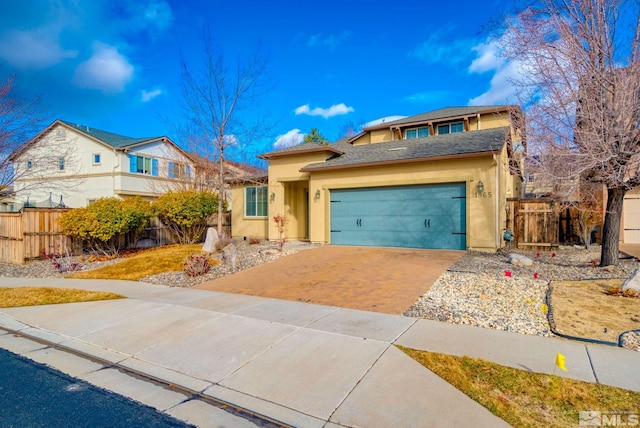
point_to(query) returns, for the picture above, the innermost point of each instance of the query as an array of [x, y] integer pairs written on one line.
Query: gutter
[[497, 203]]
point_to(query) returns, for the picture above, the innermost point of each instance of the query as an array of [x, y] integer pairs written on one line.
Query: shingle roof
[[301, 148], [114, 140], [462, 143], [442, 113]]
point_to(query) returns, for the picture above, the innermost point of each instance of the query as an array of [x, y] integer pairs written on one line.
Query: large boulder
[[210, 241], [633, 282], [230, 256], [520, 260]]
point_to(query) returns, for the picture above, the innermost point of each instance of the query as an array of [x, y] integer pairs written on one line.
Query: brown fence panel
[[11, 238], [42, 232], [535, 224], [27, 234]]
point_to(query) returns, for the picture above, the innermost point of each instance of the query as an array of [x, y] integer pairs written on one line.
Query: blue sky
[[114, 64]]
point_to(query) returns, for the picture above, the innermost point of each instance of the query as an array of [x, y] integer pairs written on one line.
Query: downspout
[[497, 198], [113, 170]]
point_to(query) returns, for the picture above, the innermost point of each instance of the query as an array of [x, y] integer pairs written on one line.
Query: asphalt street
[[34, 395]]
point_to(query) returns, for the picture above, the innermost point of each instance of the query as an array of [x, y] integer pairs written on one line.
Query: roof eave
[[300, 152], [391, 125], [402, 161]]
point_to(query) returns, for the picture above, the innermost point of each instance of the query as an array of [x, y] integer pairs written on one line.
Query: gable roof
[[442, 114], [110, 139], [461, 144], [232, 168], [301, 149], [116, 141]]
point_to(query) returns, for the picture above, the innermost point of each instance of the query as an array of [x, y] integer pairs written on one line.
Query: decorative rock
[[230, 256], [211, 241], [633, 282], [520, 260]]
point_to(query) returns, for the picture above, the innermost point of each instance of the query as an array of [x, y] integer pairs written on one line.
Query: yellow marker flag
[[545, 308], [560, 362]]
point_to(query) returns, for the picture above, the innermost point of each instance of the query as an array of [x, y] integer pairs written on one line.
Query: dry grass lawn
[[580, 308], [525, 399], [150, 262], [32, 296]]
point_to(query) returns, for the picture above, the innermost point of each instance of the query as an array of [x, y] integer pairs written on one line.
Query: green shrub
[[185, 213], [101, 225]]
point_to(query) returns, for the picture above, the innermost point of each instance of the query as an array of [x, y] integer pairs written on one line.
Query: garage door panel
[[429, 216]]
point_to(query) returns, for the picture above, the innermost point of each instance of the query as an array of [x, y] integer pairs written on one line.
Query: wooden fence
[[535, 224], [156, 233], [28, 234]]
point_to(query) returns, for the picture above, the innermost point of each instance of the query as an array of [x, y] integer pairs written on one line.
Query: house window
[[96, 159], [179, 171], [255, 201], [60, 164], [416, 133], [29, 164], [143, 165], [450, 128]]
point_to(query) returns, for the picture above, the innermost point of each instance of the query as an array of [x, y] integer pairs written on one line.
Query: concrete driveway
[[386, 280]]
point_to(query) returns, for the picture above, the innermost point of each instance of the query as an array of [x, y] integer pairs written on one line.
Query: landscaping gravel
[[485, 290], [247, 257], [475, 290]]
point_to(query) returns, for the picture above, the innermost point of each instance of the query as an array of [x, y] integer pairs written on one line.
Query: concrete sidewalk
[[297, 363]]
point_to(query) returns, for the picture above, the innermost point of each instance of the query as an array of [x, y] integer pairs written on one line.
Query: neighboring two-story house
[[435, 180], [78, 164]]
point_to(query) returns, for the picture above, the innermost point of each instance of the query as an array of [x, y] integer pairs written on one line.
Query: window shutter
[[171, 172], [133, 163], [154, 167]]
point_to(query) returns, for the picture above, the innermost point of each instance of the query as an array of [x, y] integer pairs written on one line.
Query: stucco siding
[[244, 227]]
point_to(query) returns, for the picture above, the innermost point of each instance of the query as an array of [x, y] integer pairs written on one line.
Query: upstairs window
[[96, 159], [143, 165], [29, 164], [179, 171], [416, 133], [255, 199], [60, 164], [450, 128]]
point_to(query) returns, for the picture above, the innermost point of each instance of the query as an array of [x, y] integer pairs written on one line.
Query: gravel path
[[474, 291]]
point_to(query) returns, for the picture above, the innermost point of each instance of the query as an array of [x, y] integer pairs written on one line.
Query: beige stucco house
[[79, 164], [434, 180]]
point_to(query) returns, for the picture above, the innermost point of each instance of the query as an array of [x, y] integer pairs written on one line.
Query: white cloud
[[488, 58], [330, 40], [34, 49], [291, 138], [501, 90], [107, 70], [147, 96], [383, 120], [334, 110]]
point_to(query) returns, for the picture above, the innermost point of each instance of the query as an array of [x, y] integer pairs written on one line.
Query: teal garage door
[[425, 216]]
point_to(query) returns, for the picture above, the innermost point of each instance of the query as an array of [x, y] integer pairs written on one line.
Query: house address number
[[484, 195]]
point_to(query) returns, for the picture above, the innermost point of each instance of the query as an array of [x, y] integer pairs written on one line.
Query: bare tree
[[20, 120], [580, 85], [214, 98]]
